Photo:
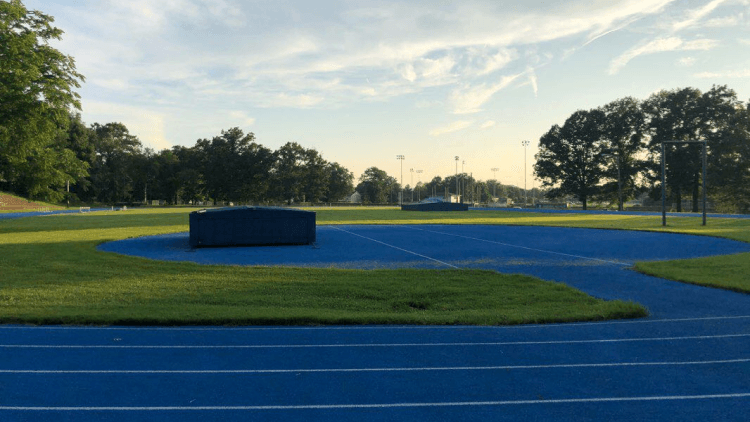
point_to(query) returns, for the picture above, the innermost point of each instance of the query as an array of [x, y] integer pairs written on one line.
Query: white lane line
[[343, 345], [395, 247], [334, 370], [523, 247], [373, 327], [369, 406]]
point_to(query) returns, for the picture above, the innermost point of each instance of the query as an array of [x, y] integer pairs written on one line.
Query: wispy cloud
[[730, 74], [470, 99], [694, 16], [686, 61], [242, 118], [533, 81], [658, 46], [488, 124], [453, 127]]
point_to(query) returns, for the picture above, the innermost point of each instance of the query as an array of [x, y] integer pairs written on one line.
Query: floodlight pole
[[401, 197], [663, 188], [457, 175], [494, 185], [419, 182], [525, 192], [463, 182], [412, 184]]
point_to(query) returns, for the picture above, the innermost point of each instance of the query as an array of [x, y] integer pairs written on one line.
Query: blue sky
[[364, 81]]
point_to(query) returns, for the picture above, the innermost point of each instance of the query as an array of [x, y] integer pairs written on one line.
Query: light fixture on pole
[[419, 182], [494, 177], [456, 175], [401, 196], [525, 192], [411, 184]]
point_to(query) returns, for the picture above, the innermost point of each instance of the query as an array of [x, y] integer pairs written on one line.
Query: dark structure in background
[[436, 206], [251, 226]]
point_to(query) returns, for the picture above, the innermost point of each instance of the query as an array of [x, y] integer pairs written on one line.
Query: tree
[[624, 131], [688, 115], [234, 166], [300, 174], [36, 94], [376, 186], [570, 158], [729, 163], [340, 182], [114, 169]]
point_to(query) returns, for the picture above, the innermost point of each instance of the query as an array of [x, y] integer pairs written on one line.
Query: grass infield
[[53, 274]]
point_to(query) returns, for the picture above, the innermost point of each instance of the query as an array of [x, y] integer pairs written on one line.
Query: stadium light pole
[[401, 197], [463, 181], [412, 184], [457, 175], [419, 182], [494, 177], [525, 192]]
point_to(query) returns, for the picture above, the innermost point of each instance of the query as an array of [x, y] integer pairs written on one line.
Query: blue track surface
[[690, 361], [606, 212], [9, 215], [595, 261]]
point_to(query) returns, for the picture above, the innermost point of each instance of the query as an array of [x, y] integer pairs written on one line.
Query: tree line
[[232, 166], [613, 152]]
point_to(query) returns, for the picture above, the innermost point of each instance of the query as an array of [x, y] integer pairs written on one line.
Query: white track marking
[[369, 406], [395, 247], [373, 327], [419, 369], [313, 346], [522, 247]]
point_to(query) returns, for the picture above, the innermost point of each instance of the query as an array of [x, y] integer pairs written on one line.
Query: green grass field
[[53, 274]]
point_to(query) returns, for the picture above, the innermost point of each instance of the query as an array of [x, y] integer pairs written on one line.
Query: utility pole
[[412, 184], [525, 192], [494, 177], [419, 182], [457, 175], [401, 196]]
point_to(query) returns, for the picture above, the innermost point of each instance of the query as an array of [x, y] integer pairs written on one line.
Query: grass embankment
[[52, 274], [10, 203]]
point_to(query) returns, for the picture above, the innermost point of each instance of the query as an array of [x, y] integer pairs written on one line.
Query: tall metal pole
[[463, 183], [401, 196], [419, 182], [412, 184], [663, 189], [457, 175], [619, 185], [494, 177], [704, 183], [525, 192]]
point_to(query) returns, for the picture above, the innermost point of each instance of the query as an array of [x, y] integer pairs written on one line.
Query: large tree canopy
[[570, 159], [688, 115], [36, 95]]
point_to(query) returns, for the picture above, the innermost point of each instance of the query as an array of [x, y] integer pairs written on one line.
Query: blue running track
[[689, 361]]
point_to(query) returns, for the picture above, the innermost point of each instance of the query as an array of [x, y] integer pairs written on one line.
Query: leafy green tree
[[36, 94], [189, 174], [624, 143], [340, 182], [729, 163], [300, 174], [114, 170], [377, 187], [570, 160], [235, 167], [688, 115]]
